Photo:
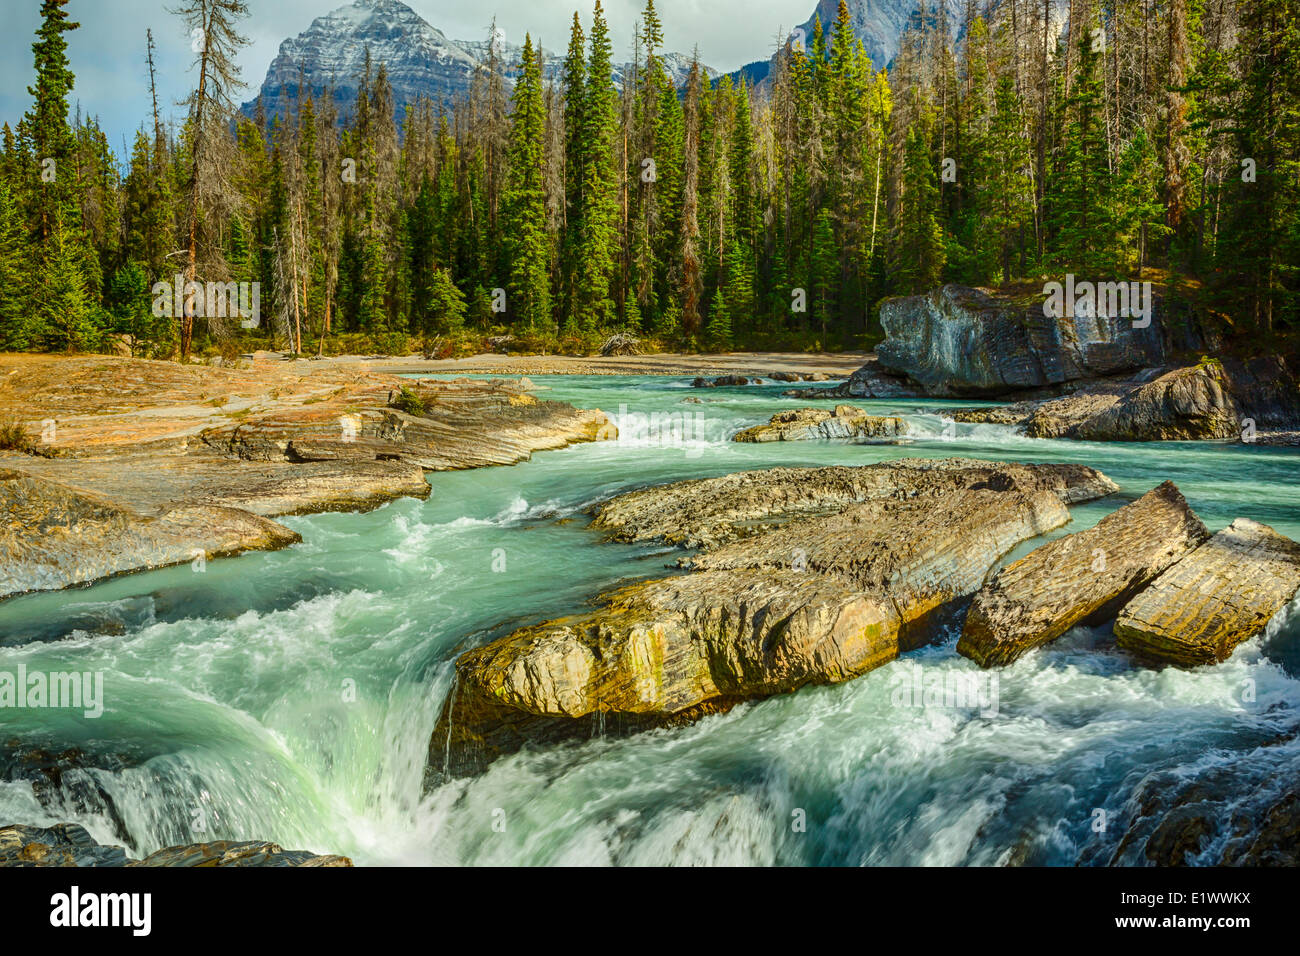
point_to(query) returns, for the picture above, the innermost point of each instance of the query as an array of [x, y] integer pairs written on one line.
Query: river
[[290, 696]]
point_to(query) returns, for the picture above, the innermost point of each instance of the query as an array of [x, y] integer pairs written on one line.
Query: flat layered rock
[[69, 844], [708, 512], [137, 464], [1220, 595], [793, 590], [1081, 578], [54, 536], [804, 424]]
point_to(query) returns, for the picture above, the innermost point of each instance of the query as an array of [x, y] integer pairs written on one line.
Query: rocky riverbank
[[144, 464], [69, 844], [1253, 401]]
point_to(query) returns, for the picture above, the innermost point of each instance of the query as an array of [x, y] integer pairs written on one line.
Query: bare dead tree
[[211, 195]]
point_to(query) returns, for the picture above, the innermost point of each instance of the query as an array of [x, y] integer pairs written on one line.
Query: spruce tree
[[598, 228], [526, 238]]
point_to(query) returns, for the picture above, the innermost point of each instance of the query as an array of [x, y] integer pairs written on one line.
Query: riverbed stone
[[55, 535], [803, 424], [1223, 593], [1081, 578]]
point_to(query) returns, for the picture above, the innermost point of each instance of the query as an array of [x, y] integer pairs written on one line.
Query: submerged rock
[[812, 576], [1080, 578], [69, 844], [1220, 595], [56, 536], [810, 423]]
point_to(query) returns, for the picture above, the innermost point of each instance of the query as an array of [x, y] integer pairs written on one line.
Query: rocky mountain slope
[[421, 60]]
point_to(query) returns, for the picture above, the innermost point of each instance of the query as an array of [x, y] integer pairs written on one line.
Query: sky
[[107, 52]]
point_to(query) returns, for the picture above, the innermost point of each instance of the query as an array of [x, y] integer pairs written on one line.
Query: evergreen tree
[[526, 237], [919, 249], [598, 225]]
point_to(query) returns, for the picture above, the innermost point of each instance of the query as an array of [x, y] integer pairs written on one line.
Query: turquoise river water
[[290, 696]]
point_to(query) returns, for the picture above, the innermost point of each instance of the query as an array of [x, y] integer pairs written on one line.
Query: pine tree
[[919, 249], [67, 310], [526, 238], [718, 333], [16, 333], [46, 125], [598, 227]]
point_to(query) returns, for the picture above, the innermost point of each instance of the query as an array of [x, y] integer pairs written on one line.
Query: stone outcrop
[[810, 576], [146, 464], [1220, 595], [803, 424], [68, 844], [1080, 578], [55, 536], [958, 341], [1220, 400]]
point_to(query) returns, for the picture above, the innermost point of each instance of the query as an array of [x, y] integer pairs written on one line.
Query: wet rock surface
[[1255, 400], [804, 424], [808, 576], [55, 536], [1080, 578], [153, 463], [70, 845], [1223, 593]]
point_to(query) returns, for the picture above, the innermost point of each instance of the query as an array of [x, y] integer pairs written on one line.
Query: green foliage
[[410, 401]]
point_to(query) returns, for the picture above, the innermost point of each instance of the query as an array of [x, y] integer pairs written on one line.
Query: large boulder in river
[[812, 576], [1080, 578], [963, 341], [1220, 595], [802, 424]]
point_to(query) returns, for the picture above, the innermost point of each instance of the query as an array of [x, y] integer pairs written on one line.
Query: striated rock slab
[[707, 512], [658, 654], [924, 555], [68, 844], [55, 536], [795, 589], [1220, 595], [805, 424], [1081, 578]]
